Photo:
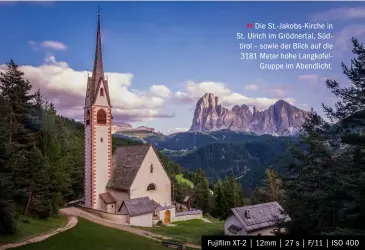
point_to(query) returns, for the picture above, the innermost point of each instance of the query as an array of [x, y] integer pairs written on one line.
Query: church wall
[[119, 196], [103, 206], [101, 157], [162, 193], [144, 220], [88, 166], [111, 208]]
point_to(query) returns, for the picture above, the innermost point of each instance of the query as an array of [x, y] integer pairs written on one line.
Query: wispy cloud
[[251, 87], [47, 45], [54, 45], [340, 14]]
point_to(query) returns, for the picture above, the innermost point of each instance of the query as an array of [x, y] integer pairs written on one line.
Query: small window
[[101, 139], [151, 187], [151, 169], [112, 205], [259, 234], [101, 92]]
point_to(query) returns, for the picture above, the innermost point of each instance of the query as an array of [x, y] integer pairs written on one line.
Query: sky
[[161, 57]]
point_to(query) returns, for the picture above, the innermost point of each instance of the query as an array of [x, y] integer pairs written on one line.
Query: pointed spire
[[98, 71]]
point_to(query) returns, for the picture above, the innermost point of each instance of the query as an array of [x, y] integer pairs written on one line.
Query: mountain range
[[280, 119]]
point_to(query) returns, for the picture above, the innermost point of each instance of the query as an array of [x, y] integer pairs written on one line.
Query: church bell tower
[[98, 137]]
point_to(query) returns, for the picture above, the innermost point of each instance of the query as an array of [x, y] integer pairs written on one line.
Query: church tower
[[98, 137]]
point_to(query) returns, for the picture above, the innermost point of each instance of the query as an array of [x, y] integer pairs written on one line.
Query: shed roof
[[261, 215], [107, 198], [138, 206]]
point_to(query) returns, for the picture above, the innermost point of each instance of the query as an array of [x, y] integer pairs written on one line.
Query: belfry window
[[101, 139], [101, 117], [101, 92], [151, 169], [151, 187]]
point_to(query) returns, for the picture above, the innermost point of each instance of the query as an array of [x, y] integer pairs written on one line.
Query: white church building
[[131, 186]]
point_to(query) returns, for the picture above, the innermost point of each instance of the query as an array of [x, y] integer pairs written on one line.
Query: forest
[[42, 162]]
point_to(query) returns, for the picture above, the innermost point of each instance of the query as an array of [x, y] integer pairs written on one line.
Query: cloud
[[252, 87], [193, 91], [47, 45], [177, 130], [53, 45], [160, 90], [340, 14], [66, 88]]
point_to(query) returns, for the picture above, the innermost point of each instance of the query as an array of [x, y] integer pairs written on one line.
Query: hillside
[[224, 153]]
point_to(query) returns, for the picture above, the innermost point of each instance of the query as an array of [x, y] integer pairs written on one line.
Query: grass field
[[90, 236], [180, 179], [190, 231], [33, 228]]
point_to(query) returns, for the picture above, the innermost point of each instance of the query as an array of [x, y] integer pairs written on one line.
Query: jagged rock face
[[281, 118]]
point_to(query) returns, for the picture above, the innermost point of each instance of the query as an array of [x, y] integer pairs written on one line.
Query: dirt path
[[72, 221], [73, 211]]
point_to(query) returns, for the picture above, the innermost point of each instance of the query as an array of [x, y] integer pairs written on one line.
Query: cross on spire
[[99, 9]]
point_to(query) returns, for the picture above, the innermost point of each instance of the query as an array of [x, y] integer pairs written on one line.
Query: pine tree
[[7, 223], [220, 202], [16, 92]]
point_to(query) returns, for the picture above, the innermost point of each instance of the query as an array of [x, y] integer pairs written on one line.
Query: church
[[130, 186]]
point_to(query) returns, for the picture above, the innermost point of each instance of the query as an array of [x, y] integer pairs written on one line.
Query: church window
[[101, 117], [151, 169], [151, 187], [101, 139], [101, 92]]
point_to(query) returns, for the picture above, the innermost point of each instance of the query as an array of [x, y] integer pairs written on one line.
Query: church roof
[[138, 206], [107, 198], [126, 163]]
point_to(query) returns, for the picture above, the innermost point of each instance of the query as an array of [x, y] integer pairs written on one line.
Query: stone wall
[[116, 218], [188, 215]]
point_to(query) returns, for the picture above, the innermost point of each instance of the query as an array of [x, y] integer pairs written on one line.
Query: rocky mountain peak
[[280, 119]]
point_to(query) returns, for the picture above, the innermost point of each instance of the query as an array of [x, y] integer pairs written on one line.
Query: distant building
[[260, 219], [131, 186]]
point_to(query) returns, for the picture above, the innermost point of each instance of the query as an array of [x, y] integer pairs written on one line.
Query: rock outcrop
[[280, 119]]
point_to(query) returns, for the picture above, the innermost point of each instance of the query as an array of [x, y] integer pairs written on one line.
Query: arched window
[[87, 117], [101, 92], [101, 117], [151, 169], [151, 187]]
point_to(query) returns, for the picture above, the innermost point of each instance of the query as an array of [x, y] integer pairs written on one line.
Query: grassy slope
[[180, 179], [91, 236], [33, 228], [190, 231]]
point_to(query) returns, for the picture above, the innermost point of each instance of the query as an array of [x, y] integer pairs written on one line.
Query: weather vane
[[99, 9]]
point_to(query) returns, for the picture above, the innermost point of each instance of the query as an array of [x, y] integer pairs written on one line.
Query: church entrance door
[[167, 219]]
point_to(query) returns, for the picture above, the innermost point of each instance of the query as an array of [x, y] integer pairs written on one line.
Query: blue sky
[[160, 57]]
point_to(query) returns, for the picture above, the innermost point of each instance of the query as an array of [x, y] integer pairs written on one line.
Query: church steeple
[[97, 80], [98, 71]]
